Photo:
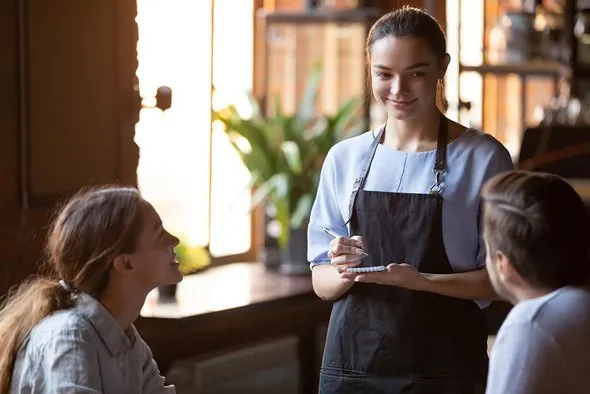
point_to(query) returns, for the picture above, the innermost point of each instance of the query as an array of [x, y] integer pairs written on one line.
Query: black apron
[[385, 339]]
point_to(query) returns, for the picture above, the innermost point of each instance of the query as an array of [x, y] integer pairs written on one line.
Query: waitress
[[405, 196]]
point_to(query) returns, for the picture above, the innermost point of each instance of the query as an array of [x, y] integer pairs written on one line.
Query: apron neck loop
[[440, 163]]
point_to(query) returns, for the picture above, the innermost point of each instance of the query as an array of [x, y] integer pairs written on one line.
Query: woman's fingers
[[345, 259], [343, 245], [346, 252]]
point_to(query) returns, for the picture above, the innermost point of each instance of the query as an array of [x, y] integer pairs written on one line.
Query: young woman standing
[[405, 196]]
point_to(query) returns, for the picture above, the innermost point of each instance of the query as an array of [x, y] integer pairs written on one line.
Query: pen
[[333, 234]]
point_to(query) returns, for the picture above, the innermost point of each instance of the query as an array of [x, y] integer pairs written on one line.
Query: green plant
[[284, 152], [191, 258]]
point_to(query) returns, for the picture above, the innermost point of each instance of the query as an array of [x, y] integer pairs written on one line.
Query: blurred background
[[221, 112]]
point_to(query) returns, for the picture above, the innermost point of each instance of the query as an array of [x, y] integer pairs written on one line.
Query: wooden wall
[[68, 113]]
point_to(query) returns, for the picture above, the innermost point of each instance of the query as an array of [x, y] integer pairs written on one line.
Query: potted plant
[[191, 259], [284, 154]]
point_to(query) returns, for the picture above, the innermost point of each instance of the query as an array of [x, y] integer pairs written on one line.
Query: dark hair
[[89, 231], [411, 22], [540, 223]]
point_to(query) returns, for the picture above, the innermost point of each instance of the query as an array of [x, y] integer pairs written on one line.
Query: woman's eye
[[417, 74], [382, 74]]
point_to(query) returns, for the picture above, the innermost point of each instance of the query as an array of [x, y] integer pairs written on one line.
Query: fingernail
[[359, 251]]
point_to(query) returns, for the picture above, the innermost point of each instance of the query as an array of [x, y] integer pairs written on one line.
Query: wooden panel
[[128, 99], [8, 109], [9, 146], [72, 88], [68, 113], [288, 4]]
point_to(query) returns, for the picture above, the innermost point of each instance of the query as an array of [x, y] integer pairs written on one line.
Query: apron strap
[[360, 181], [440, 163]]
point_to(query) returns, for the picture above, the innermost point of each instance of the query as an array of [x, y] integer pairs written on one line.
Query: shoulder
[[564, 313], [485, 146], [564, 301], [560, 315], [60, 329], [350, 148], [480, 154], [523, 330]]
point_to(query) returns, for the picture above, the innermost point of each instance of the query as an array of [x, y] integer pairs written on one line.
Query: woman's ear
[[122, 264]]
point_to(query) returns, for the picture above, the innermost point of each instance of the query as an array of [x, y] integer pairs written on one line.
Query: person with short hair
[[536, 234]]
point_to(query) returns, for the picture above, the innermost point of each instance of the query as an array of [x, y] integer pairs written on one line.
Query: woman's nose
[[398, 85], [174, 240]]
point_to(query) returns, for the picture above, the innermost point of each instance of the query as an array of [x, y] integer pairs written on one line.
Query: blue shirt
[[543, 346], [472, 158], [84, 350]]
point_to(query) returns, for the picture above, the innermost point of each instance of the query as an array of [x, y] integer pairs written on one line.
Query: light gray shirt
[[543, 346], [472, 158], [84, 350]]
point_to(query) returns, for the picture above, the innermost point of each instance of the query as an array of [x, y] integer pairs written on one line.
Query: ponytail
[[441, 100], [20, 312]]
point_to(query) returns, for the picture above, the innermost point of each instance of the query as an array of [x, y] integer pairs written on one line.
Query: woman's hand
[[346, 252], [400, 275]]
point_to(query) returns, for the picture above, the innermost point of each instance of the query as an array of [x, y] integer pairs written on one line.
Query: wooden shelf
[[527, 68], [323, 16]]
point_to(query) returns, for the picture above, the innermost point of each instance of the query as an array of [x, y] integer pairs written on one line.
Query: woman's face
[[404, 76], [154, 260]]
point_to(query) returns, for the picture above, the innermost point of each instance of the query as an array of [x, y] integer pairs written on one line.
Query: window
[[187, 168], [464, 18]]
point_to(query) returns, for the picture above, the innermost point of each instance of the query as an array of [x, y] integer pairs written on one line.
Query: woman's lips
[[402, 104]]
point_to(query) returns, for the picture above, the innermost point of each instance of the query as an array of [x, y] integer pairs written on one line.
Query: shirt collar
[[113, 336]]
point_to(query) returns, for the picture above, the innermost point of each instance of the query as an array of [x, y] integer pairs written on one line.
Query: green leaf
[[276, 184], [281, 182], [306, 107], [282, 215], [302, 210], [256, 113], [345, 113], [279, 121], [291, 151]]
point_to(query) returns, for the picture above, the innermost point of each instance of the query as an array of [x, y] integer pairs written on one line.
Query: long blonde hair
[[90, 230]]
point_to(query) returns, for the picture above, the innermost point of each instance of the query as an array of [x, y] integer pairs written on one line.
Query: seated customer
[[536, 234], [72, 332]]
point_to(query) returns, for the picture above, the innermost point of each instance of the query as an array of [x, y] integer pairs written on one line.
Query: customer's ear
[[123, 265]]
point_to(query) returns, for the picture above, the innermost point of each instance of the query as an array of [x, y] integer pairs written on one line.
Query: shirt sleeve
[[325, 213], [70, 364], [500, 162], [153, 381], [526, 360]]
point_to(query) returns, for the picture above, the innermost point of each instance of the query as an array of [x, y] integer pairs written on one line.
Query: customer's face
[[154, 261]]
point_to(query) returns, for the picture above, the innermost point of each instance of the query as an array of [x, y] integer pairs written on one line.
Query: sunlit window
[[464, 27], [187, 169]]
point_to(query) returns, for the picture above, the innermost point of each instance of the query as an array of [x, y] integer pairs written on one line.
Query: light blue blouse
[[84, 350], [472, 158]]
